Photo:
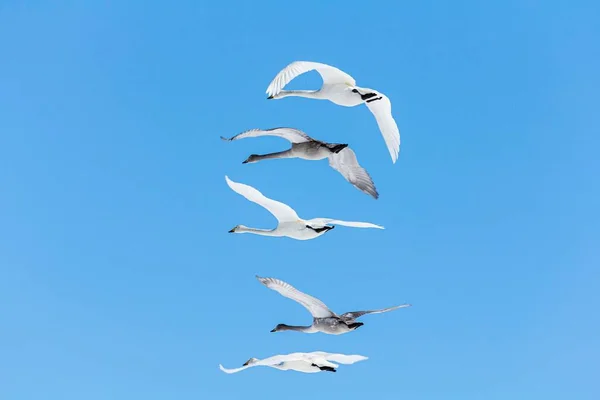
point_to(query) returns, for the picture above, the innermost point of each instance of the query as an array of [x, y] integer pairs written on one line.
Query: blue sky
[[118, 279]]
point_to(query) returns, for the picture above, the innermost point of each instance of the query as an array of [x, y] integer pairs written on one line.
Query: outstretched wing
[[282, 212], [381, 108], [291, 134], [352, 315], [234, 370], [345, 163], [331, 75], [339, 358], [315, 306], [321, 222], [267, 362]]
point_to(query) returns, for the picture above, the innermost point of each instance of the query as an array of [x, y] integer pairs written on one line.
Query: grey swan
[[324, 320]]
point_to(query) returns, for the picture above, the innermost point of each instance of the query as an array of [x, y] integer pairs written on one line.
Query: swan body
[[317, 361], [324, 320], [290, 224], [340, 88], [340, 156]]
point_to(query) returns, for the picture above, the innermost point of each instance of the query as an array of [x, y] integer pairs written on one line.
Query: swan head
[[250, 361], [277, 96], [238, 229], [251, 159], [279, 328]]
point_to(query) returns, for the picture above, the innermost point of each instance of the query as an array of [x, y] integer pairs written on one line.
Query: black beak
[[232, 231], [270, 98], [245, 162], [273, 330]]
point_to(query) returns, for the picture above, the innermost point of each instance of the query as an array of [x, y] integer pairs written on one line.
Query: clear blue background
[[118, 279]]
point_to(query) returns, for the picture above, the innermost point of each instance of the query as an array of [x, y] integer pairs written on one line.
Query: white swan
[[316, 361], [324, 320], [340, 88], [290, 224], [341, 157]]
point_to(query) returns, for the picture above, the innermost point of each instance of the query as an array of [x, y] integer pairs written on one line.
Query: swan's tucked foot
[[355, 325], [325, 368], [367, 96], [319, 230], [338, 147], [374, 99]]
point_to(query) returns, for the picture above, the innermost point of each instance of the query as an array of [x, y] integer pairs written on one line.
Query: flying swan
[[341, 157], [340, 88], [324, 320], [290, 224], [316, 361]]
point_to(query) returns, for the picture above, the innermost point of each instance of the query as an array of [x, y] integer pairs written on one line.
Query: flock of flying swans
[[339, 88]]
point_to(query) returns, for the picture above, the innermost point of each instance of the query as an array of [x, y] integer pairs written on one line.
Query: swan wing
[[352, 315], [290, 134], [282, 212], [315, 306], [381, 107], [278, 359], [331, 75], [315, 357], [266, 362], [234, 370], [320, 222], [339, 358], [345, 163]]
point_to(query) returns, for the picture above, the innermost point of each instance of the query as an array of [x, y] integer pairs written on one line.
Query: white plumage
[[316, 361], [290, 224], [340, 88]]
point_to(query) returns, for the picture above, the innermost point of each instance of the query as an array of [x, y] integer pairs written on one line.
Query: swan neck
[[279, 154], [257, 231], [311, 94], [283, 327]]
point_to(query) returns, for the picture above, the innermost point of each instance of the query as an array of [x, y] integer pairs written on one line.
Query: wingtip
[[227, 371], [358, 357]]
